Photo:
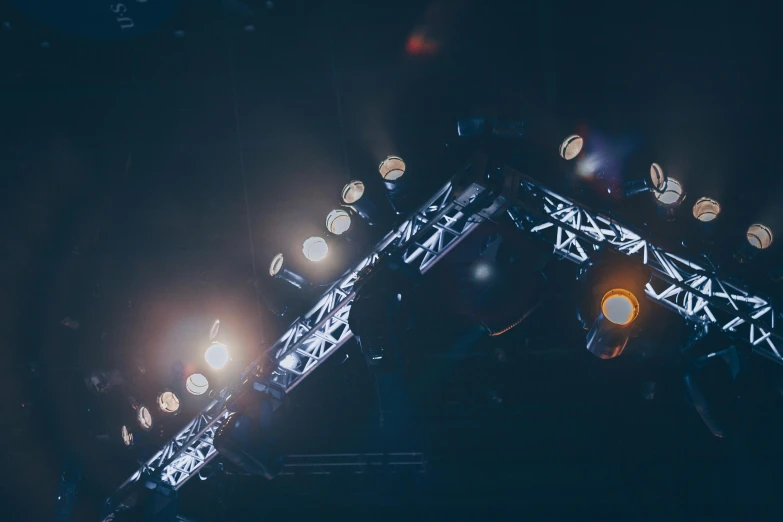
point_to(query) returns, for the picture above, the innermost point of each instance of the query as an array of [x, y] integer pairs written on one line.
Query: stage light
[[611, 330], [217, 356], [758, 237], [197, 384], [315, 249], [144, 418], [571, 147], [127, 436], [620, 306], [168, 402], [608, 303], [392, 168], [672, 194], [290, 361], [656, 182], [279, 270], [338, 221], [353, 192], [706, 209]]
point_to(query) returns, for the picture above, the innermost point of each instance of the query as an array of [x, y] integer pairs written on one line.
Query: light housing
[[279, 270], [620, 306], [352, 192], [571, 147], [757, 238], [217, 356], [315, 249], [168, 402], [392, 168], [656, 182], [672, 195], [706, 209], [144, 417], [338, 221], [197, 384]]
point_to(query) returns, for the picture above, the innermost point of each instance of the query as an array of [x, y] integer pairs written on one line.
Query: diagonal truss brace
[[421, 241], [681, 283]]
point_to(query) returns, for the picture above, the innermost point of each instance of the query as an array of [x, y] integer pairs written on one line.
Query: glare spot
[[217, 356], [482, 271]]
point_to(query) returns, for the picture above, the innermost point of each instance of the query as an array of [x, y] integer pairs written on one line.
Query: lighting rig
[[683, 283]]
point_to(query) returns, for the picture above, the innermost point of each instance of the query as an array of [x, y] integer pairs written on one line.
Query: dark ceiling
[[150, 178]]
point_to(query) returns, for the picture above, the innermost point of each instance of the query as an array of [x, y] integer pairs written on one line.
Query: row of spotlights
[[168, 403], [338, 221], [669, 192]]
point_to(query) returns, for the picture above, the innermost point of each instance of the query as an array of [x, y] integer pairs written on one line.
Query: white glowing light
[[353, 192], [482, 271], [392, 168], [217, 356], [197, 384], [276, 265], [673, 194], [315, 249], [338, 221], [168, 402], [620, 306], [571, 147], [759, 236], [144, 417]]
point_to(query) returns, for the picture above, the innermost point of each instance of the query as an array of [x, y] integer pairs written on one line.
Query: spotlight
[[279, 270], [706, 209], [338, 221], [127, 436], [571, 147], [353, 195], [197, 384], [711, 388], [315, 249], [144, 418], [670, 199], [217, 356], [611, 330], [656, 183], [759, 237], [168, 402], [392, 170], [608, 303]]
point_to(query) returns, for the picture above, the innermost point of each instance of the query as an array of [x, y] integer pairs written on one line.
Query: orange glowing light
[[418, 44]]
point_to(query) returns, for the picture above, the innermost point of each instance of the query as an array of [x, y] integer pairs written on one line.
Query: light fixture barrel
[[607, 340], [758, 237], [279, 270]]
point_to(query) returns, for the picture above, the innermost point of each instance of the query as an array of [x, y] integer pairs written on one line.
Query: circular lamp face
[[672, 193], [217, 356], [338, 221], [315, 248], [759, 236], [571, 147], [197, 384], [657, 178], [127, 437], [706, 209], [276, 265], [168, 402], [392, 168], [353, 192], [620, 306], [290, 361], [144, 417]]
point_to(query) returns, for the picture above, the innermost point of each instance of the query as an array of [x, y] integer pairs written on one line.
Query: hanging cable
[[244, 177]]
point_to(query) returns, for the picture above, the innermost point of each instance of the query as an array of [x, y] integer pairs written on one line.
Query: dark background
[[149, 176]]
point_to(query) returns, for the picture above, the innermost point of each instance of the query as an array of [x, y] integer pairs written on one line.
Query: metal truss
[[420, 241], [684, 284]]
